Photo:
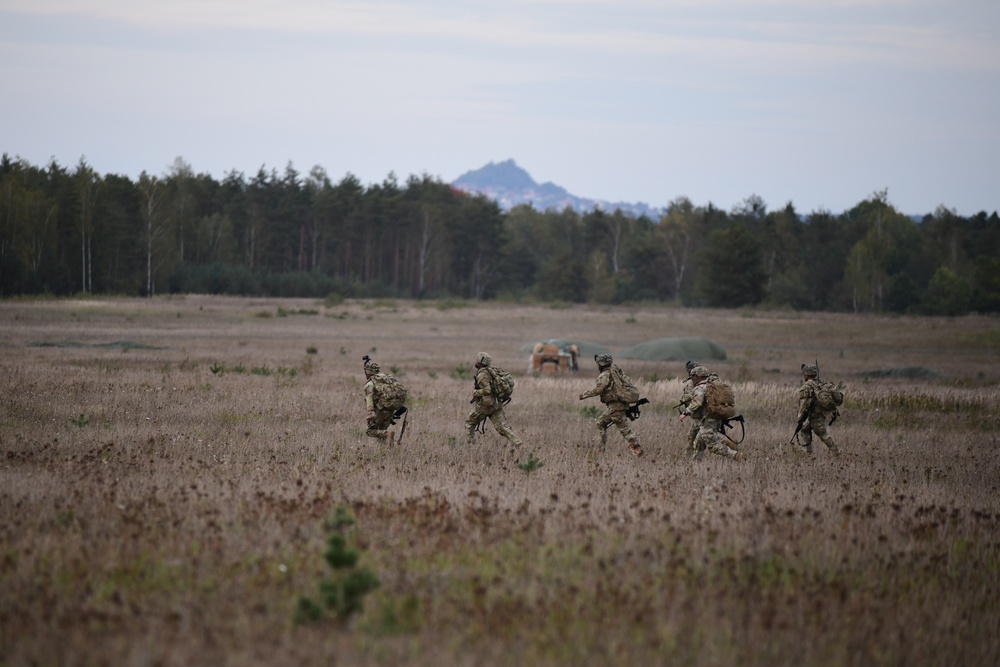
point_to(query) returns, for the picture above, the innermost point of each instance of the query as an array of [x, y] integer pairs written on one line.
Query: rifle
[[679, 407], [802, 422], [724, 424], [632, 411], [402, 429]]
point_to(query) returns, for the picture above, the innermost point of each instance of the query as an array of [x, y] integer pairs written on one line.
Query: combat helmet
[[484, 360], [810, 370], [371, 366], [603, 360]]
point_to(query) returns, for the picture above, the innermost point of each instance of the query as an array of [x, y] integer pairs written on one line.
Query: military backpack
[[501, 384], [828, 395], [720, 401], [390, 394], [621, 388]]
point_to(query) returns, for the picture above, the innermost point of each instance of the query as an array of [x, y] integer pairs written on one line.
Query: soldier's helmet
[[700, 372], [483, 359], [371, 367], [690, 365], [603, 360], [810, 369]]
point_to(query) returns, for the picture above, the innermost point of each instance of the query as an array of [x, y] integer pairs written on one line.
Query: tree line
[[68, 231]]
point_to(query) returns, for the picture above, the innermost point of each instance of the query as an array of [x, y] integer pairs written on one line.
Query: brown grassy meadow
[[167, 468]]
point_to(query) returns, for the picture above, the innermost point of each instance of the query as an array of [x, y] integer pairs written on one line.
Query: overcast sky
[[817, 102]]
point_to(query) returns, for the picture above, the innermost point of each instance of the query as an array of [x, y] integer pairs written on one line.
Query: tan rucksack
[[720, 401], [621, 388]]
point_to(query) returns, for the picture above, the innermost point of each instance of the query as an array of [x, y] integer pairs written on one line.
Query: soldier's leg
[[818, 424], [499, 420], [711, 439], [806, 437], [692, 434], [624, 425], [603, 423], [471, 422], [380, 426]]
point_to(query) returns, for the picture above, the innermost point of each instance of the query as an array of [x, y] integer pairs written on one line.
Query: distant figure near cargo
[[711, 404], [384, 399], [617, 392], [818, 401], [492, 390]]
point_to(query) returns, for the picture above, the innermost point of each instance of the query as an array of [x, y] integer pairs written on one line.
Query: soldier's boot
[[698, 455], [738, 456], [834, 449], [635, 448], [470, 436], [604, 439], [390, 437]]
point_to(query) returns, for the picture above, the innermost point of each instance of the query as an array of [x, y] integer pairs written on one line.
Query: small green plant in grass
[[531, 465], [261, 370], [395, 371], [217, 369], [590, 411], [81, 421], [311, 350], [343, 592], [462, 372]]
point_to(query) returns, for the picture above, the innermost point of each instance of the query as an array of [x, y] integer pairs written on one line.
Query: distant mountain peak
[[509, 185], [504, 174]]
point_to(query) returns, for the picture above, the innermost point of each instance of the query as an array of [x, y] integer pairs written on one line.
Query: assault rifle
[[802, 422], [725, 423], [632, 411]]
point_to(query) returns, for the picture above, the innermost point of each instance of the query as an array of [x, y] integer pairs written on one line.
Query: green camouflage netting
[[674, 349], [904, 372]]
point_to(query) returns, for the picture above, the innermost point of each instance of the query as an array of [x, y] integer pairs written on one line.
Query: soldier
[[812, 416], [486, 405], [709, 434], [384, 405], [608, 387], [686, 394]]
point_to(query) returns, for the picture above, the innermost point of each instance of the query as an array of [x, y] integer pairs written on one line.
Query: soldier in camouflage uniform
[[379, 419], [615, 413], [815, 417], [485, 406], [687, 393], [709, 434]]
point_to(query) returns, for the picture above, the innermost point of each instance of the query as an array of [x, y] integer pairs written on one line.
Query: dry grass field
[[169, 468]]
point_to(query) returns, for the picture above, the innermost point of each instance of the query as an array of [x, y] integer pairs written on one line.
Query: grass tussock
[[173, 504]]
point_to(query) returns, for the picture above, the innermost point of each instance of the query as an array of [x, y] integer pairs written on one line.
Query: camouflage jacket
[[484, 390], [696, 406], [807, 398], [602, 388]]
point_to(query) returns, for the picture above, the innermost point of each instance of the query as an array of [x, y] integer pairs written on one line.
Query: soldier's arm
[[695, 402], [370, 398], [602, 383], [482, 384]]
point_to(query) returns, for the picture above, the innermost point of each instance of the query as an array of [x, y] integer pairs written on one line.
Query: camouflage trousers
[[710, 437], [816, 424], [496, 415], [615, 414], [379, 424], [692, 434]]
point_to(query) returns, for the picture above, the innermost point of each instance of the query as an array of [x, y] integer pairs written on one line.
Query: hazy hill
[[509, 185]]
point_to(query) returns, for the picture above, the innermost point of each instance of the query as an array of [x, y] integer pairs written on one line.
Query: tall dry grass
[[165, 504]]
